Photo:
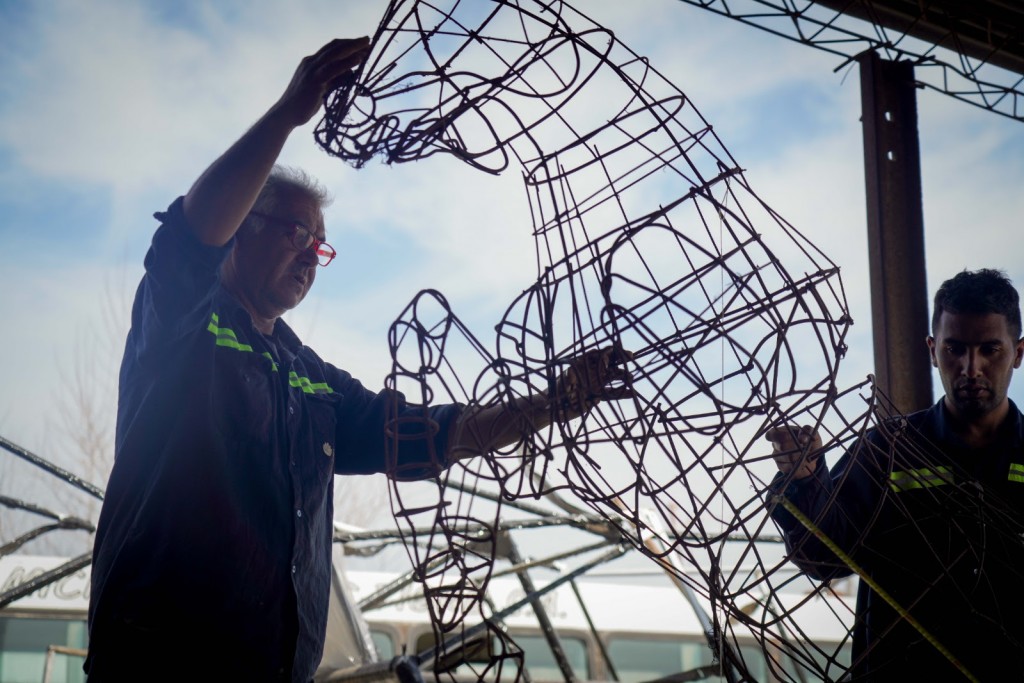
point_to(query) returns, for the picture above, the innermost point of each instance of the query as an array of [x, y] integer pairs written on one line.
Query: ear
[[930, 340], [1018, 354]]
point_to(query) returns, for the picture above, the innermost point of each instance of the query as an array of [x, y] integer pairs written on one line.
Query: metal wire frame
[[648, 238], [989, 77]]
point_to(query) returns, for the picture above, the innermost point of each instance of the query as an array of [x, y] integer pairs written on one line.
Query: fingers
[[341, 81], [795, 449], [339, 57], [319, 74], [788, 437], [596, 369], [594, 376], [341, 47]]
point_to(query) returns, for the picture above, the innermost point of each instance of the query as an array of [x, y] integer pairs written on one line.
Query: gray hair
[[285, 180]]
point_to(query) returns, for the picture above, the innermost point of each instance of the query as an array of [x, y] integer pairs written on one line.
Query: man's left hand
[[592, 377]]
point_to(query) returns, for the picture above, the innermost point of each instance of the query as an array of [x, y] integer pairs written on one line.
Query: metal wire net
[[649, 239]]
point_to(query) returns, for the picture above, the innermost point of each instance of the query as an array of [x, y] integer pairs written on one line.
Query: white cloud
[[115, 102]]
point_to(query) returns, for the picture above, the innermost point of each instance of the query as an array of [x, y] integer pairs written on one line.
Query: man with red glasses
[[212, 556]]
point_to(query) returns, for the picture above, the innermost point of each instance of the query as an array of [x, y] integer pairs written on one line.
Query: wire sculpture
[[648, 239], [644, 227], [970, 52]]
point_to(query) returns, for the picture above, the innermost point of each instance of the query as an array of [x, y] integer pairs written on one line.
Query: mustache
[[972, 384]]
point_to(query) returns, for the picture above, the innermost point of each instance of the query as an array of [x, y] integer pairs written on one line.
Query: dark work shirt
[[936, 525], [212, 555]]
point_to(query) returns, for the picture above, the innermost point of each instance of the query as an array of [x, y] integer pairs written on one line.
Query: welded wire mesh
[[649, 239]]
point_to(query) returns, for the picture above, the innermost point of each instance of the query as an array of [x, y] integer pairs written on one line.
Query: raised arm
[[225, 192]]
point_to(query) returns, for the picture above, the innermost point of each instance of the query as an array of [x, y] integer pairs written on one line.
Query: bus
[[623, 627], [630, 627]]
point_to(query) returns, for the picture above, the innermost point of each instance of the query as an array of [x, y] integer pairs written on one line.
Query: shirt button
[[298, 513], [328, 449], [291, 410], [293, 569]]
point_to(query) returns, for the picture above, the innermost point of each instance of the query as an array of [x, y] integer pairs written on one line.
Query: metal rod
[[546, 627], [593, 631], [46, 578], [39, 462], [519, 604]]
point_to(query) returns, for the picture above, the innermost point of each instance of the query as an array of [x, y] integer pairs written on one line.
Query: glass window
[[468, 661], [23, 646], [384, 643], [537, 656], [637, 660], [540, 661]]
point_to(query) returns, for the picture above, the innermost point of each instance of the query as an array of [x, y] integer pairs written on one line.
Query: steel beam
[[892, 168]]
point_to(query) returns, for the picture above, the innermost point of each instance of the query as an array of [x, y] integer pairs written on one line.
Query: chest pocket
[[320, 432], [242, 395]]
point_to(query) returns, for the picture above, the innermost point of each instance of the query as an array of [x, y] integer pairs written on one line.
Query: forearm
[[839, 508], [594, 376], [483, 429], [223, 195]]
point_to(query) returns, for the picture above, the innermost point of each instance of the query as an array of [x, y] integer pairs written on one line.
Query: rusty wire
[[648, 238]]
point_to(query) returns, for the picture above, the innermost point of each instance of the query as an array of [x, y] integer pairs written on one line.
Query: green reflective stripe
[[1016, 472], [919, 479], [307, 386], [273, 363], [225, 335]]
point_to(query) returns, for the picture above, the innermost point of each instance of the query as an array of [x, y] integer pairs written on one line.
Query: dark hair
[[980, 291]]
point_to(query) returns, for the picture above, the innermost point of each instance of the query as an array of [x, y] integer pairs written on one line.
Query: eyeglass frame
[[296, 226]]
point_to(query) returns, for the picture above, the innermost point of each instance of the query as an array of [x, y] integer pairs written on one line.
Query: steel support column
[[892, 168]]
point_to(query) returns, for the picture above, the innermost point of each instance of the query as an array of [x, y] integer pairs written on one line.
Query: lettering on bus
[[549, 601], [71, 591]]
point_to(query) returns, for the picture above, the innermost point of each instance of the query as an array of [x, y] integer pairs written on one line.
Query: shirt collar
[[1011, 431]]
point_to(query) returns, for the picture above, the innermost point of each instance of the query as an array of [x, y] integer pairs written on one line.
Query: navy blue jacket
[[214, 540], [938, 526]]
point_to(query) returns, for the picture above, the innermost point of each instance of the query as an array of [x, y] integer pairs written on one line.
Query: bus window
[[23, 645], [384, 642], [460, 661], [636, 660], [540, 662], [537, 656]]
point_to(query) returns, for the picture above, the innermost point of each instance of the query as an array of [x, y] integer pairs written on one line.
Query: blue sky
[[109, 110]]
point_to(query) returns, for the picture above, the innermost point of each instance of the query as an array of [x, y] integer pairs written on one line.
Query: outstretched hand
[[592, 377], [319, 74], [795, 449]]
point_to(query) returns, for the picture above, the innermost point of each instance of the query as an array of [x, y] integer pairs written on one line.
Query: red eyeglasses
[[303, 238]]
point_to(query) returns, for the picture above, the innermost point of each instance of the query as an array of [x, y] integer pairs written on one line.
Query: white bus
[[646, 631], [625, 628]]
